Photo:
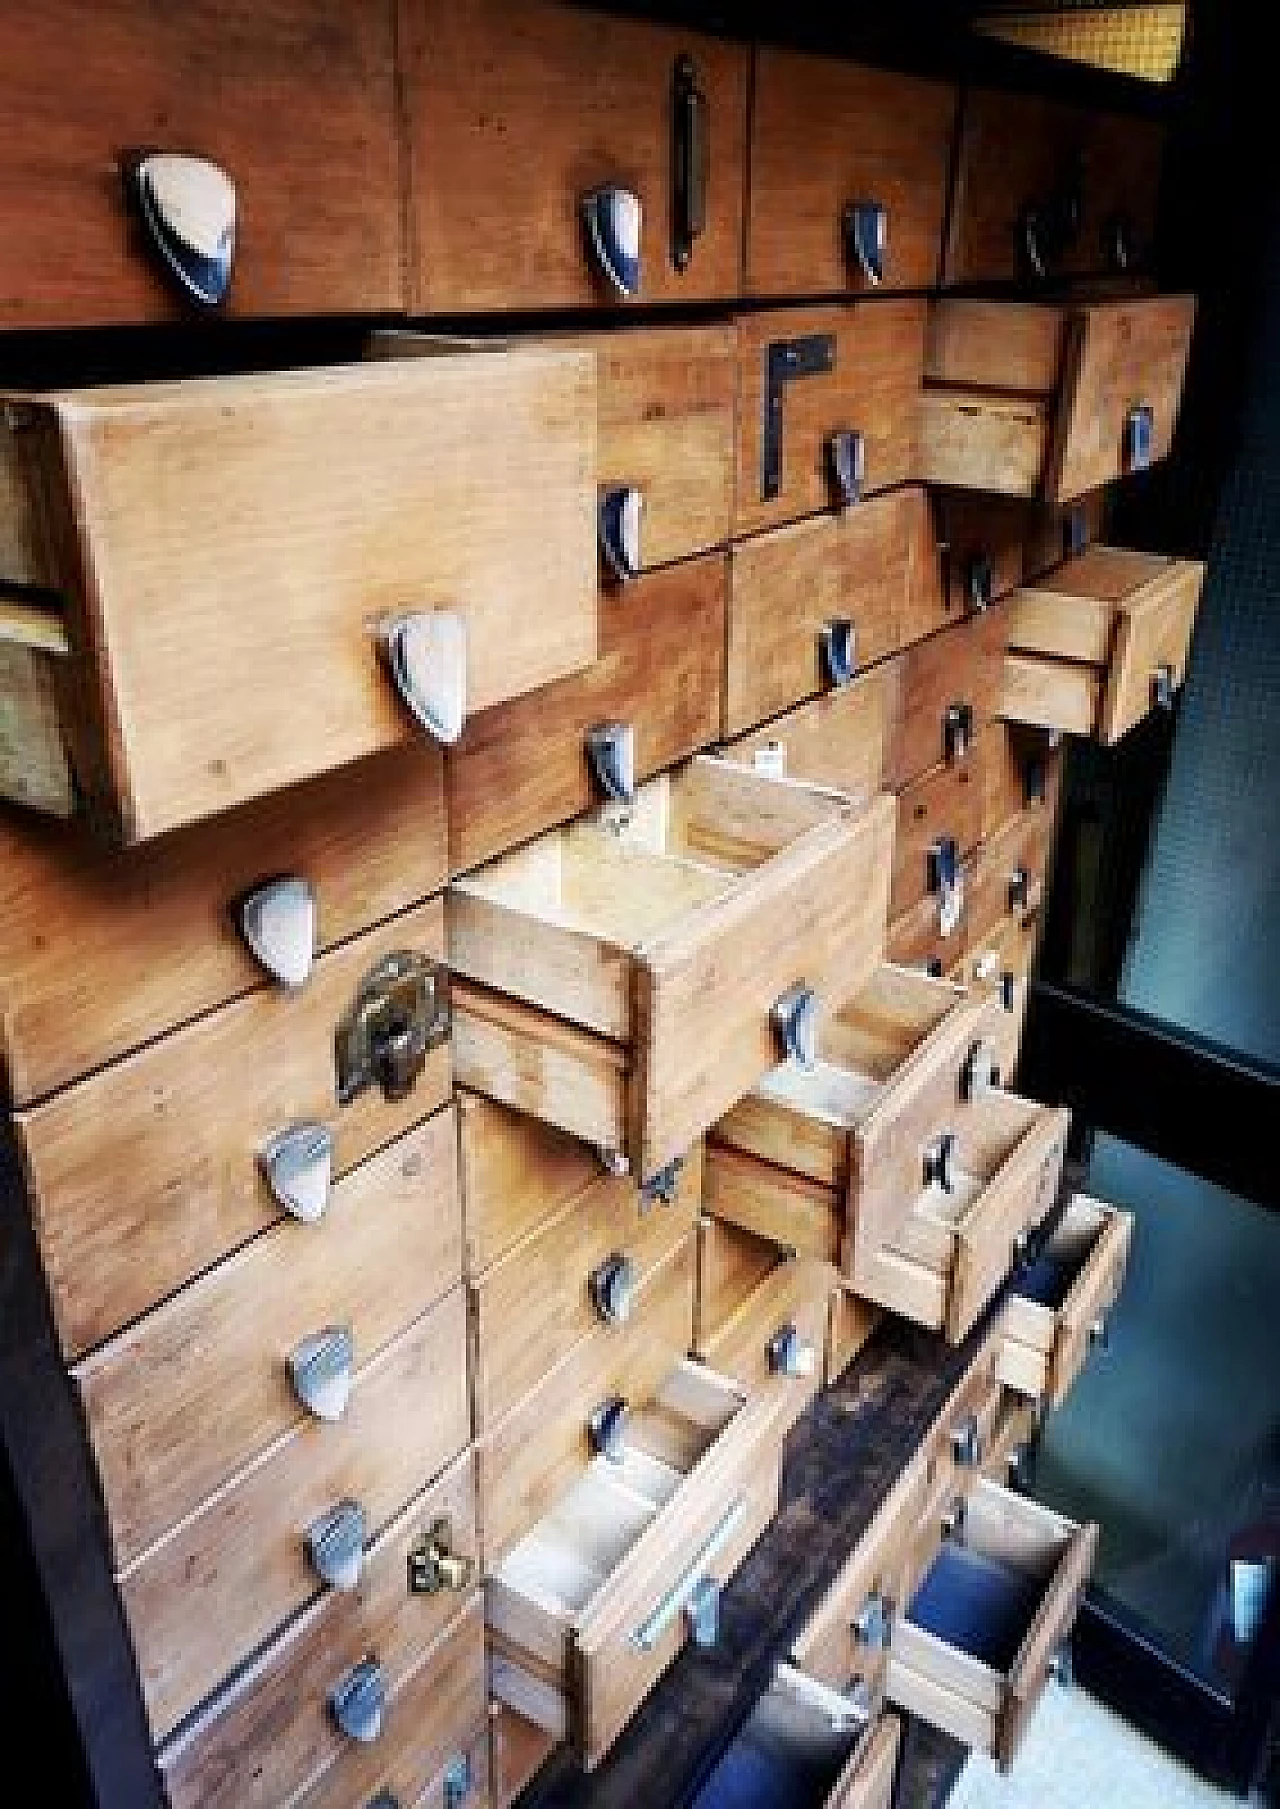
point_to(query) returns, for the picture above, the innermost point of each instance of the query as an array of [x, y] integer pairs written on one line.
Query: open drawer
[[1060, 1300], [594, 1602], [1100, 641], [765, 1329], [973, 1651], [805, 1746], [631, 976]]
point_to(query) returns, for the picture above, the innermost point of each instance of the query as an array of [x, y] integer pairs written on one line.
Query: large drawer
[[849, 171], [589, 1609], [808, 376], [625, 978], [1058, 1307], [150, 1170], [948, 690], [837, 739], [771, 1332], [212, 80], [230, 1575], [517, 121], [242, 566], [272, 1731]]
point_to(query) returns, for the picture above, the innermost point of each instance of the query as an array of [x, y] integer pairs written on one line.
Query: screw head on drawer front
[[426, 655], [702, 1613], [788, 1354], [335, 1545], [297, 1166], [847, 465], [277, 920], [614, 219], [866, 238], [957, 731], [607, 1429], [838, 652], [872, 1625], [611, 755], [320, 1368], [358, 1701], [795, 1024], [188, 209], [619, 517], [612, 1287]]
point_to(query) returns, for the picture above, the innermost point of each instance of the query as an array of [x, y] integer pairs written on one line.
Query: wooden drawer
[[593, 1604], [917, 940], [837, 739], [805, 1745], [1021, 770], [1027, 399], [1059, 1304], [516, 1174], [208, 1595], [828, 136], [1010, 873], [1099, 642], [214, 81], [271, 1731], [948, 691], [274, 527], [1006, 1457], [1000, 968], [525, 766], [774, 1334], [942, 805], [974, 1649], [183, 1128], [981, 541], [619, 981], [514, 120], [814, 373], [954, 1248]]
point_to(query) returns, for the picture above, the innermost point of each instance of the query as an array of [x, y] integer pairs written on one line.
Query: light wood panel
[[837, 739], [1119, 354], [960, 665], [516, 1173]]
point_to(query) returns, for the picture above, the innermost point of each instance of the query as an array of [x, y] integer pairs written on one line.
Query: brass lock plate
[[435, 1566], [399, 1014]]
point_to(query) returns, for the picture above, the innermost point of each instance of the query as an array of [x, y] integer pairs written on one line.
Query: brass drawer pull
[[619, 516], [358, 1701], [320, 1369], [188, 208], [435, 1566], [614, 218], [838, 650], [426, 654], [400, 1013], [297, 1166], [277, 920], [335, 1545], [847, 465], [611, 755], [795, 1024], [685, 1591], [866, 238], [612, 1286]]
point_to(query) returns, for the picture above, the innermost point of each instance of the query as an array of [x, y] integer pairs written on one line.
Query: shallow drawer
[[1058, 1308], [973, 1651], [226, 1578], [948, 691], [192, 1133], [849, 174], [1099, 642], [272, 1730], [569, 107], [651, 698], [624, 978], [1028, 399], [837, 739], [956, 1245], [775, 1334], [1021, 770], [593, 1604], [942, 807], [809, 376], [314, 532], [808, 1747], [212, 80], [1007, 889]]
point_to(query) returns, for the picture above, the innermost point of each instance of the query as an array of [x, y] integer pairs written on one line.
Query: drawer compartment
[[225, 558], [1028, 399], [589, 1609], [948, 690], [774, 1333], [1021, 770], [979, 557], [1059, 1304], [621, 982], [1099, 642], [1006, 893], [806, 1746], [837, 739], [973, 1651], [515, 121]]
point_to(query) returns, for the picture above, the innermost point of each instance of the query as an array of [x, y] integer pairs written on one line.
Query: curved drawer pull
[[1099, 1336], [1033, 248], [1163, 688], [277, 920], [847, 463], [426, 653], [614, 219], [384, 1800], [866, 238], [980, 1074], [938, 1159], [297, 1166], [188, 207], [788, 1354], [942, 872], [795, 1024], [619, 517], [1061, 1667], [435, 1566], [607, 1429], [957, 731], [1019, 890], [400, 1013], [320, 1367], [358, 1701], [979, 582], [685, 1591], [1035, 780], [1139, 437], [1008, 990], [1018, 1470], [612, 1287], [335, 1545], [838, 649], [611, 754], [457, 1782]]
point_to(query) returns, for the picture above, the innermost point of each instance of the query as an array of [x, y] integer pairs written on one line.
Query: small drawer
[[980, 542], [1098, 643], [956, 1246], [213, 1134], [837, 739], [592, 1605], [942, 807], [1007, 889], [1028, 399], [849, 171], [561, 159], [948, 691], [825, 391], [1021, 770], [1000, 968], [356, 541], [1058, 1307], [230, 1575], [272, 1730], [631, 976], [807, 1746], [774, 1335], [973, 1651], [926, 943], [1007, 1458], [516, 1174]]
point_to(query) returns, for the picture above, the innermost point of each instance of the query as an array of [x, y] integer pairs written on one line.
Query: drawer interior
[[987, 1136], [790, 1752], [1049, 1278]]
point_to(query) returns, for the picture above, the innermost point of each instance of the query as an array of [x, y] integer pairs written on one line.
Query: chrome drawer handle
[[1099, 1335], [297, 1166], [457, 1782], [335, 1545], [847, 465], [788, 1354], [685, 1589], [957, 731], [188, 208], [426, 654], [1163, 688], [966, 1442], [614, 218], [611, 755], [866, 237], [619, 516], [872, 1625], [844, 1711], [980, 1073], [838, 650], [277, 920], [944, 879], [663, 1186], [795, 1024], [320, 1367], [607, 1429], [612, 1286], [358, 1701], [435, 1566]]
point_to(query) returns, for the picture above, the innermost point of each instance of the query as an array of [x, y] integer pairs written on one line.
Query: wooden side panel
[[837, 739], [979, 535], [519, 1748], [867, 1780], [1018, 1195], [34, 767], [733, 1261], [1023, 841], [1012, 757], [851, 1322], [946, 801]]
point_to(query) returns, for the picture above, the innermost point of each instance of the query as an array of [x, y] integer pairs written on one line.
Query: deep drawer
[[770, 1332], [1058, 1308]]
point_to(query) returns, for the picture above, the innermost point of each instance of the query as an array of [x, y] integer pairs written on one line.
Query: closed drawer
[[948, 691], [516, 121], [1021, 770], [272, 1730], [1027, 399], [211, 80], [229, 1576], [809, 375], [527, 765], [942, 807], [621, 982], [837, 739], [1060, 1302], [227, 558], [922, 939], [956, 1246], [1010, 873], [149, 1171], [773, 1335], [848, 176], [1100, 641], [974, 1649], [595, 1602]]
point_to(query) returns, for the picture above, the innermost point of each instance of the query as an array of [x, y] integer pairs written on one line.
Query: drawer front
[[1051, 694], [867, 1781], [874, 357], [1010, 875], [1084, 1314], [788, 587], [271, 1731], [438, 476], [231, 1574], [1019, 1195], [943, 803], [523, 767], [1119, 355], [185, 1397], [568, 104], [825, 135], [981, 542], [1021, 770], [211, 80], [961, 667], [180, 1128], [154, 931], [755, 1179], [837, 739], [1153, 638]]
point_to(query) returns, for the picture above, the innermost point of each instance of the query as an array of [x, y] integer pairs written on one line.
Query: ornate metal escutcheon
[[399, 1015]]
